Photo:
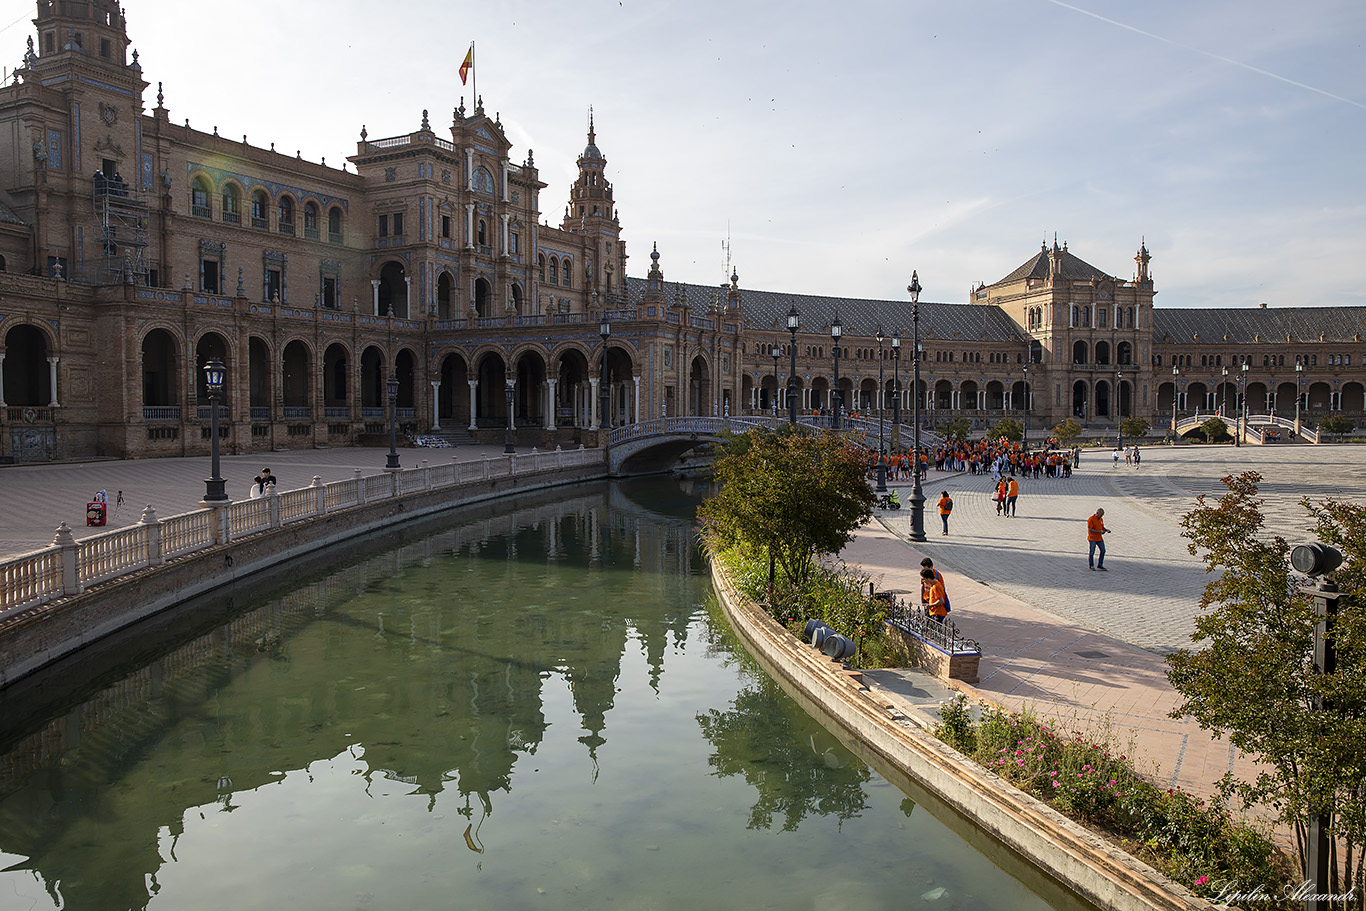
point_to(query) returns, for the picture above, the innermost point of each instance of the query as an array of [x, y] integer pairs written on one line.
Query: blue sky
[[839, 146]]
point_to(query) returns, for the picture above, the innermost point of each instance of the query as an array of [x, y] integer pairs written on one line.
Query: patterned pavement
[[1087, 647]]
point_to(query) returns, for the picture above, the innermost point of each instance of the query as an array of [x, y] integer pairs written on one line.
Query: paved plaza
[[1087, 647]]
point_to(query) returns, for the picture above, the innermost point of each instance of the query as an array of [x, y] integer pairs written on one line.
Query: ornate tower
[[592, 213]]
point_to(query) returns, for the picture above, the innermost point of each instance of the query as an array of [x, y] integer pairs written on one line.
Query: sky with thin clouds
[[837, 146]]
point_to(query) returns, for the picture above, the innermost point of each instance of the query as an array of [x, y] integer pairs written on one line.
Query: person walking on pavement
[[945, 507], [1138, 457], [1095, 537], [1012, 494]]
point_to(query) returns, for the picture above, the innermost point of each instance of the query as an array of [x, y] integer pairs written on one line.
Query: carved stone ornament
[[109, 114]]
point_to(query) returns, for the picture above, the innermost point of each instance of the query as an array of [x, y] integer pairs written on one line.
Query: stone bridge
[[651, 446], [1257, 425]]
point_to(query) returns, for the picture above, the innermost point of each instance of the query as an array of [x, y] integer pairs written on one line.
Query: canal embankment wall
[[71, 595], [1054, 855]]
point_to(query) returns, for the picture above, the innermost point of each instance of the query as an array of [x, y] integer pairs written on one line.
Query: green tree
[[1134, 427], [1068, 432], [1214, 429], [1009, 428], [956, 429], [1255, 681], [795, 494], [1336, 425]]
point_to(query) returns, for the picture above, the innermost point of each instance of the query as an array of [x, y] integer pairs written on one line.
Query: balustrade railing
[[67, 566], [939, 632]]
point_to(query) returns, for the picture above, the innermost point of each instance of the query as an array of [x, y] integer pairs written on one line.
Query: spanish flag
[[467, 65]]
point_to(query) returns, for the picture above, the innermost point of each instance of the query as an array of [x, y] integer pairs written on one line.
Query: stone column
[[474, 387], [436, 404], [469, 225], [636, 393], [374, 285], [550, 404], [407, 296], [2, 380], [52, 381], [592, 403]]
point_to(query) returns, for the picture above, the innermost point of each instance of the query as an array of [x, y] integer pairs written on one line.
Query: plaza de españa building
[[134, 249]]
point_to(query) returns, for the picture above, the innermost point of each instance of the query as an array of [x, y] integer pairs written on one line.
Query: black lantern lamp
[[836, 330], [604, 394], [214, 373], [917, 495], [392, 384]]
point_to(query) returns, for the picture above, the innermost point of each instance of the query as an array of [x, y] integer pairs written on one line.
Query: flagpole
[[474, 77]]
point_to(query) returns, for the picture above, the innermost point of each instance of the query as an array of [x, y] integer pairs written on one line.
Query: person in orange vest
[[1012, 494], [932, 594], [1095, 536], [927, 563], [945, 507]]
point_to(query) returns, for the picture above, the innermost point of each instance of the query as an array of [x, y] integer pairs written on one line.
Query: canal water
[[529, 705]]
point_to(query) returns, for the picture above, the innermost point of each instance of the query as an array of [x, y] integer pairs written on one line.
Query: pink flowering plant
[[1087, 779]]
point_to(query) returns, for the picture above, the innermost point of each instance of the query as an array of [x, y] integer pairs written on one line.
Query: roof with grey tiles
[[1073, 268], [1270, 324], [766, 311], [8, 217]]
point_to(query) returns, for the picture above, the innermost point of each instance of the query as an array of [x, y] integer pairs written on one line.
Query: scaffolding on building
[[122, 214]]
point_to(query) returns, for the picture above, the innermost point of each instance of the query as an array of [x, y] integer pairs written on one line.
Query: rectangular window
[[274, 285], [398, 224], [329, 294], [208, 276], [104, 48], [512, 243], [1100, 318], [384, 226], [446, 229]]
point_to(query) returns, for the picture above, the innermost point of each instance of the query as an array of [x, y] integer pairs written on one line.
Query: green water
[[532, 706]]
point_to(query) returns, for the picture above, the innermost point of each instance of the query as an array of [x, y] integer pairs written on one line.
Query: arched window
[[482, 234], [311, 220], [554, 271], [199, 198], [260, 208], [566, 274], [334, 225], [232, 204], [285, 216], [540, 267]]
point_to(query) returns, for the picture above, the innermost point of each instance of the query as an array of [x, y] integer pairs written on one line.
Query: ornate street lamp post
[[1223, 390], [836, 330], [605, 394], [214, 487], [1119, 412], [1176, 372], [509, 387], [1242, 424], [392, 384], [793, 321], [896, 389], [1024, 403], [917, 495], [1299, 374], [881, 394], [777, 352]]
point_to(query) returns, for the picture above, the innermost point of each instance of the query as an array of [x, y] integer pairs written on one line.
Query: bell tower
[[95, 29], [591, 212]]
